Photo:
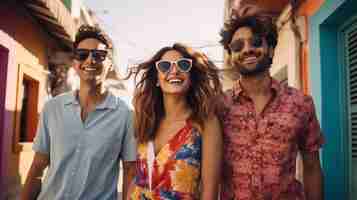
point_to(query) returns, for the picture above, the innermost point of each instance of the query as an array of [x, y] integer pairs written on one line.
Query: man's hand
[[32, 186], [313, 177], [128, 175]]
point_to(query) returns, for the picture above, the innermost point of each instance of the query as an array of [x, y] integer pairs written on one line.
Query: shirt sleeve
[[41, 142], [128, 152], [311, 139]]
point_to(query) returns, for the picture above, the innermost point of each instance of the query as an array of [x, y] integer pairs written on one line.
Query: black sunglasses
[[238, 45], [182, 64], [97, 55]]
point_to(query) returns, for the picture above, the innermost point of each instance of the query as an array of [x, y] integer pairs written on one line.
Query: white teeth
[[175, 81], [250, 60], [89, 69]]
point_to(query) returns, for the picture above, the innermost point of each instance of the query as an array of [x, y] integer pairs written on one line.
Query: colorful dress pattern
[[176, 169]]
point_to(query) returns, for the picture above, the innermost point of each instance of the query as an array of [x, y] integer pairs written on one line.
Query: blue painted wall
[[327, 77]]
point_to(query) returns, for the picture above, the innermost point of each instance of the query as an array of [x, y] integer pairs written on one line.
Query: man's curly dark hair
[[87, 31], [266, 29]]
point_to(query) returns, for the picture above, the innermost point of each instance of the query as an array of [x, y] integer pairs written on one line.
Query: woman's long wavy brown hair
[[148, 98]]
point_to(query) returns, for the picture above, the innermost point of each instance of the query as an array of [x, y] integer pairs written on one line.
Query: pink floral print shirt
[[260, 150]]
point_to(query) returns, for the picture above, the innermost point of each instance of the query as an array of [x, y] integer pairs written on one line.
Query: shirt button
[[255, 181]]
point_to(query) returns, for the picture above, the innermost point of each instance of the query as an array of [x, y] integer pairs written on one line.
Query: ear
[[229, 52], [110, 68], [76, 65]]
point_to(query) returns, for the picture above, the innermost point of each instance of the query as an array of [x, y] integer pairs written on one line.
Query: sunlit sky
[[141, 27]]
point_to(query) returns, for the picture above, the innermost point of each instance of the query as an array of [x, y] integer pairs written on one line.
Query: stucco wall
[[29, 46], [287, 57], [8, 43]]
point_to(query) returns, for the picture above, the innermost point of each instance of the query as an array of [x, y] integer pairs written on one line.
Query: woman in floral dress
[[179, 136]]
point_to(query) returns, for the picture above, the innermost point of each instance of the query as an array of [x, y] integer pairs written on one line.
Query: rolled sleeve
[[311, 139], [128, 152], [41, 142]]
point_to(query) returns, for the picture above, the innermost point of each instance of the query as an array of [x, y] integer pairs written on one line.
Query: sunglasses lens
[[257, 42], [184, 65], [99, 55], [164, 66], [81, 54], [237, 46]]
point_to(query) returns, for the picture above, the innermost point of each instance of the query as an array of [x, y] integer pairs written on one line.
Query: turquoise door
[[349, 36]]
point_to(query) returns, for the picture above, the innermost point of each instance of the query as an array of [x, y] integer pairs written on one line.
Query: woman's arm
[[212, 147]]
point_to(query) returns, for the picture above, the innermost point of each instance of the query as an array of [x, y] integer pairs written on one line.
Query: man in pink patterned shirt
[[266, 123]]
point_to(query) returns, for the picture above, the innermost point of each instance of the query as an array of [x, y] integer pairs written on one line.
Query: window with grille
[[350, 53]]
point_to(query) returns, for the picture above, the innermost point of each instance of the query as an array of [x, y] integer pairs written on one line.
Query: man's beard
[[263, 65]]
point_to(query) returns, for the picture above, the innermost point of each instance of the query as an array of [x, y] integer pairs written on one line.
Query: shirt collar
[[71, 98], [238, 90], [110, 102]]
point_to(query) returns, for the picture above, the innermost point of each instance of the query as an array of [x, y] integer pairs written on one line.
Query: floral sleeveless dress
[[176, 170]]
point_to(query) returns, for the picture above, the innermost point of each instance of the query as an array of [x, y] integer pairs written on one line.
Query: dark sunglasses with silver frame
[[182, 64], [238, 45], [97, 54]]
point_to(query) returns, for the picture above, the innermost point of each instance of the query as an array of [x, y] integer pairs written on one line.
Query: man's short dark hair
[[266, 29], [87, 31]]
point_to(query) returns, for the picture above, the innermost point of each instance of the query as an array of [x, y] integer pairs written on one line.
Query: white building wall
[[286, 62]]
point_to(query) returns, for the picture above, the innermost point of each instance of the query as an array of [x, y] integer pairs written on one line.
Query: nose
[[174, 69], [248, 48], [90, 58]]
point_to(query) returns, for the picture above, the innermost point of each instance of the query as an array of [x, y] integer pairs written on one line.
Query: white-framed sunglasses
[[182, 64]]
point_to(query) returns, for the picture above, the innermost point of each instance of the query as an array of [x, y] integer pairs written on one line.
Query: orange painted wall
[[310, 7]]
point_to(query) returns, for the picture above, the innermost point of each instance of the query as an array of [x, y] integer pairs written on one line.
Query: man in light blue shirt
[[82, 135]]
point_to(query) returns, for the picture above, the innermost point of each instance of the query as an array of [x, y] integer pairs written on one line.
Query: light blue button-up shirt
[[84, 156]]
